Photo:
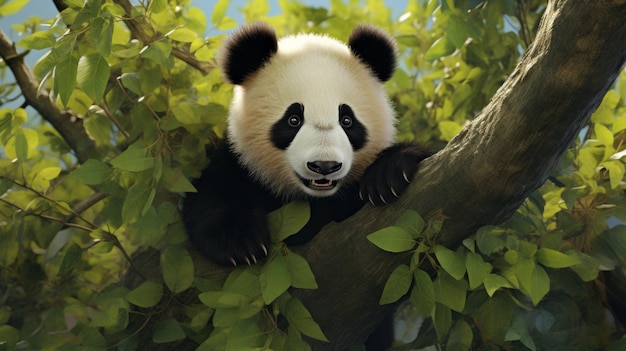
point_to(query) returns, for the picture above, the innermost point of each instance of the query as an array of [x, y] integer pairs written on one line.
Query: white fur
[[321, 73]]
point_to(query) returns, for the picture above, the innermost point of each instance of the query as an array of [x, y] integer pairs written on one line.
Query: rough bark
[[481, 177], [485, 172]]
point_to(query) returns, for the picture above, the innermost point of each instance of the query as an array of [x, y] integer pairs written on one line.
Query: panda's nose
[[324, 167]]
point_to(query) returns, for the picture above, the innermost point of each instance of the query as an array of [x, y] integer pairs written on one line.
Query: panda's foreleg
[[226, 218], [391, 173]]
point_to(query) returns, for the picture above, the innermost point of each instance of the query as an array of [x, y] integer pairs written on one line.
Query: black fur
[[356, 131], [284, 130], [375, 48], [247, 50], [390, 174], [226, 218]]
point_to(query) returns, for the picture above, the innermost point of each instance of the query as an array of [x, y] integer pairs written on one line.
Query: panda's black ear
[[246, 51], [375, 48]]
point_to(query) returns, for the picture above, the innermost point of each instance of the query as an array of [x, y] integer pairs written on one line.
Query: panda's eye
[[294, 121], [346, 121]]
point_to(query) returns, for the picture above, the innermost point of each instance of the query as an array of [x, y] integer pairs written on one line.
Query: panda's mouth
[[319, 184]]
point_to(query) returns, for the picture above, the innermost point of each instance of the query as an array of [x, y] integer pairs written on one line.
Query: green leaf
[[132, 82], [588, 269], [540, 285], [604, 135], [92, 76], [494, 282], [135, 158], [423, 293], [397, 285], [442, 318], [101, 33], [275, 278], [158, 6], [477, 269], [301, 275], [450, 292], [449, 129], [555, 259], [245, 335], [137, 202], [392, 239], [148, 294], [37, 40], [175, 181], [616, 172], [9, 335], [177, 267], [71, 258], [223, 299], [452, 262], [519, 332], [183, 35], [299, 317], [98, 126], [11, 7], [412, 222], [219, 10], [167, 331], [440, 48], [494, 317], [489, 240], [65, 78], [185, 114], [159, 52], [460, 338], [288, 220], [92, 172], [457, 31]]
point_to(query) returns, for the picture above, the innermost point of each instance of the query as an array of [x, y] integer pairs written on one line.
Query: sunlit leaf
[[392, 239], [92, 75], [397, 285], [452, 262], [36, 41], [275, 278]]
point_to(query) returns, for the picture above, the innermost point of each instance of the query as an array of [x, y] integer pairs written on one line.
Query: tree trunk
[[483, 174]]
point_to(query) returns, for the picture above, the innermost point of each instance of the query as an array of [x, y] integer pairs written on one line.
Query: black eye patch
[[354, 129], [284, 131]]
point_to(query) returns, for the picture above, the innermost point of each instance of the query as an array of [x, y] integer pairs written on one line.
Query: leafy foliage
[[140, 80]]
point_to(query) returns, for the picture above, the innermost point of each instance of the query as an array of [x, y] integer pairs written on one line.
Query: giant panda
[[309, 120]]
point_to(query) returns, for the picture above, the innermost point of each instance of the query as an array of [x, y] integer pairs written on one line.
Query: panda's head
[[309, 113]]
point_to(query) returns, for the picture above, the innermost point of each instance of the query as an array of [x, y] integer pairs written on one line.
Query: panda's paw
[[237, 241], [391, 173]]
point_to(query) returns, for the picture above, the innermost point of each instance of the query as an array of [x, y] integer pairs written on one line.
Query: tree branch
[[483, 174], [144, 32], [69, 126]]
